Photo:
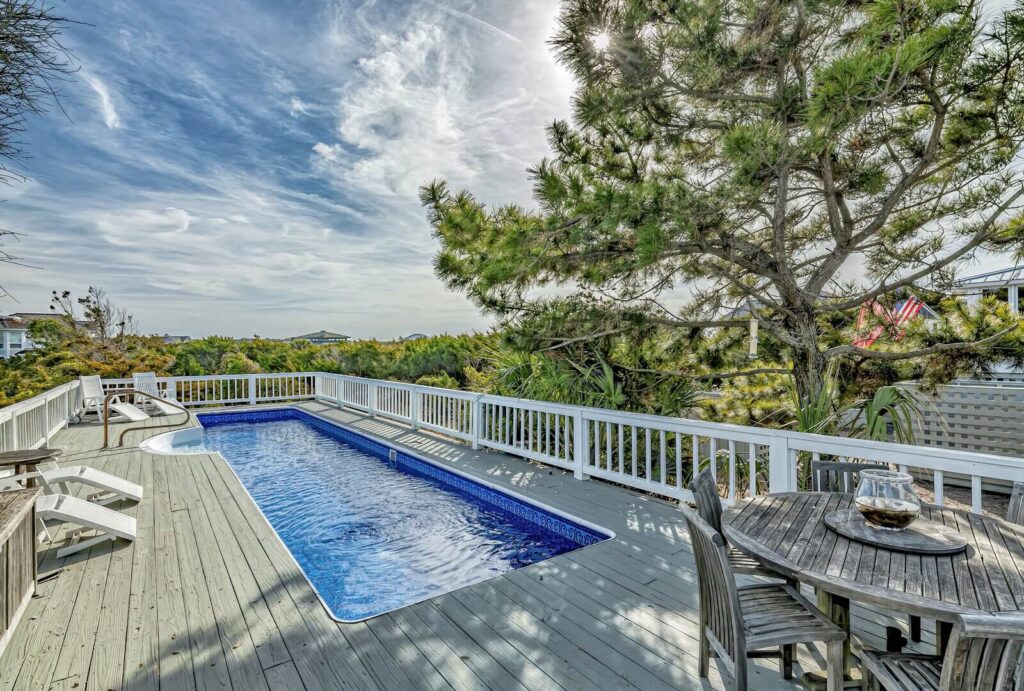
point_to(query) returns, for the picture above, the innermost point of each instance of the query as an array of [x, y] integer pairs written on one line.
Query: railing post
[[371, 395], [476, 420], [781, 473], [414, 407], [580, 446], [14, 433], [46, 421], [252, 389]]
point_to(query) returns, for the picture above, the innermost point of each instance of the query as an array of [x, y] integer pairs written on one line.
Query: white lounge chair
[[56, 479], [146, 383], [108, 524], [93, 396]]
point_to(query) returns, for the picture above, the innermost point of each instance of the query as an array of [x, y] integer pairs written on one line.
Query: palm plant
[[890, 412], [818, 415]]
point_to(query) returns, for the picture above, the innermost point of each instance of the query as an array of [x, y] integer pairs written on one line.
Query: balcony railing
[[651, 453]]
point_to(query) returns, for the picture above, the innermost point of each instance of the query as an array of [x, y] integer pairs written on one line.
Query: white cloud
[[475, 21], [297, 107], [437, 98], [110, 116]]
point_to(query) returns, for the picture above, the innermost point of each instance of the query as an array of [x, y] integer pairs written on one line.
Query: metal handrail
[[125, 392]]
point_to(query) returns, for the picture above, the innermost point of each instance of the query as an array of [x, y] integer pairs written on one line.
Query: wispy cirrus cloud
[[106, 103], [246, 167]]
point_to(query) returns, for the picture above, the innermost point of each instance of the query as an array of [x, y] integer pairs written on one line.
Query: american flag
[[893, 321]]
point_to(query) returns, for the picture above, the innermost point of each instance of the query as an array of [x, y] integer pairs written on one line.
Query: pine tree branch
[[588, 337], [716, 375], [980, 237], [891, 356]]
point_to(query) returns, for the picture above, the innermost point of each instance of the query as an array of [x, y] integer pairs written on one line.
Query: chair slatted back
[[720, 617], [984, 653], [91, 387], [705, 496], [1015, 512], [839, 476], [146, 383]]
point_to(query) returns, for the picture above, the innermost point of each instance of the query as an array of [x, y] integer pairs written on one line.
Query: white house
[[14, 330], [1005, 284]]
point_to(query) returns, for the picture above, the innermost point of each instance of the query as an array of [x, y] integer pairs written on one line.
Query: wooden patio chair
[[709, 506], [1015, 512], [839, 476], [983, 655], [741, 622]]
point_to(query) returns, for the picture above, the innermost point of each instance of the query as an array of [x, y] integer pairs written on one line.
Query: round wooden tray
[[922, 537]]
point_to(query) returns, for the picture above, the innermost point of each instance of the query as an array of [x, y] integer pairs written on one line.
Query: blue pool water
[[371, 535]]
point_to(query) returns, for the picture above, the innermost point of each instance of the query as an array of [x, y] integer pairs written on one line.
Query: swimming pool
[[375, 529]]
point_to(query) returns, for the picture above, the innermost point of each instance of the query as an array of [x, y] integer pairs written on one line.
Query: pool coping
[[590, 525]]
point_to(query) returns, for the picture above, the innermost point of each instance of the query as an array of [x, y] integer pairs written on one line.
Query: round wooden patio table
[[26, 460], [788, 533]]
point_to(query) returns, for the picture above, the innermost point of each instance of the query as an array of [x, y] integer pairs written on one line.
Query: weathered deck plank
[[209, 598]]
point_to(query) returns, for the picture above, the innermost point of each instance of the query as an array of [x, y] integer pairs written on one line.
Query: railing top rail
[[843, 446], [37, 400]]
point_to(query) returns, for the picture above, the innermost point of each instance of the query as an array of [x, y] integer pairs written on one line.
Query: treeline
[[67, 352], [613, 376]]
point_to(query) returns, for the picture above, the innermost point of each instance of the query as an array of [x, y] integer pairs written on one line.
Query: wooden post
[[252, 389], [780, 471], [476, 422], [46, 421], [836, 608], [580, 446]]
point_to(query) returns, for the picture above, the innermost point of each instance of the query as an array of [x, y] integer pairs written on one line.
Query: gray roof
[[1013, 274], [320, 335]]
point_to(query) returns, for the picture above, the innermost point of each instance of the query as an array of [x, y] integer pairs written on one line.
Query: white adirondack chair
[[56, 479], [146, 383], [93, 396], [108, 524]]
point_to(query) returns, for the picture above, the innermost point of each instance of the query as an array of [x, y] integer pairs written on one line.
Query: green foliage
[[68, 352], [603, 381], [483, 363], [729, 156]]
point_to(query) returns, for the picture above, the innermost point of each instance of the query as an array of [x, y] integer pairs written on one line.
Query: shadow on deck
[[208, 598]]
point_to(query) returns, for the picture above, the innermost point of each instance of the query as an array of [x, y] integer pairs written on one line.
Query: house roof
[[320, 336], [21, 320], [1013, 274]]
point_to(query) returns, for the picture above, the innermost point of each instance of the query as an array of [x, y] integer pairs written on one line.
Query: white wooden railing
[[652, 453], [33, 422], [655, 454]]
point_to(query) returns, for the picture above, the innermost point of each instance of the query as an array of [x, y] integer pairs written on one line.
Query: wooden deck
[[207, 597]]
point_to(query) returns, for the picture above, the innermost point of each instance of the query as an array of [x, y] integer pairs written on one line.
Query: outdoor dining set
[[860, 536]]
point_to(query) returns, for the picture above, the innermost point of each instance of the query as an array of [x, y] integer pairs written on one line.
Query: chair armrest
[[1010, 625]]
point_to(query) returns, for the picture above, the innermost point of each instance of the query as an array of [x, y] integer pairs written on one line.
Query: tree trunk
[[808, 371]]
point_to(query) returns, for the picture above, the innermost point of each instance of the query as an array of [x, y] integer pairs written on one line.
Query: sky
[[247, 167]]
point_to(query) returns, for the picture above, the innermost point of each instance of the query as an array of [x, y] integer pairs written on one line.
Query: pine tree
[[786, 159]]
